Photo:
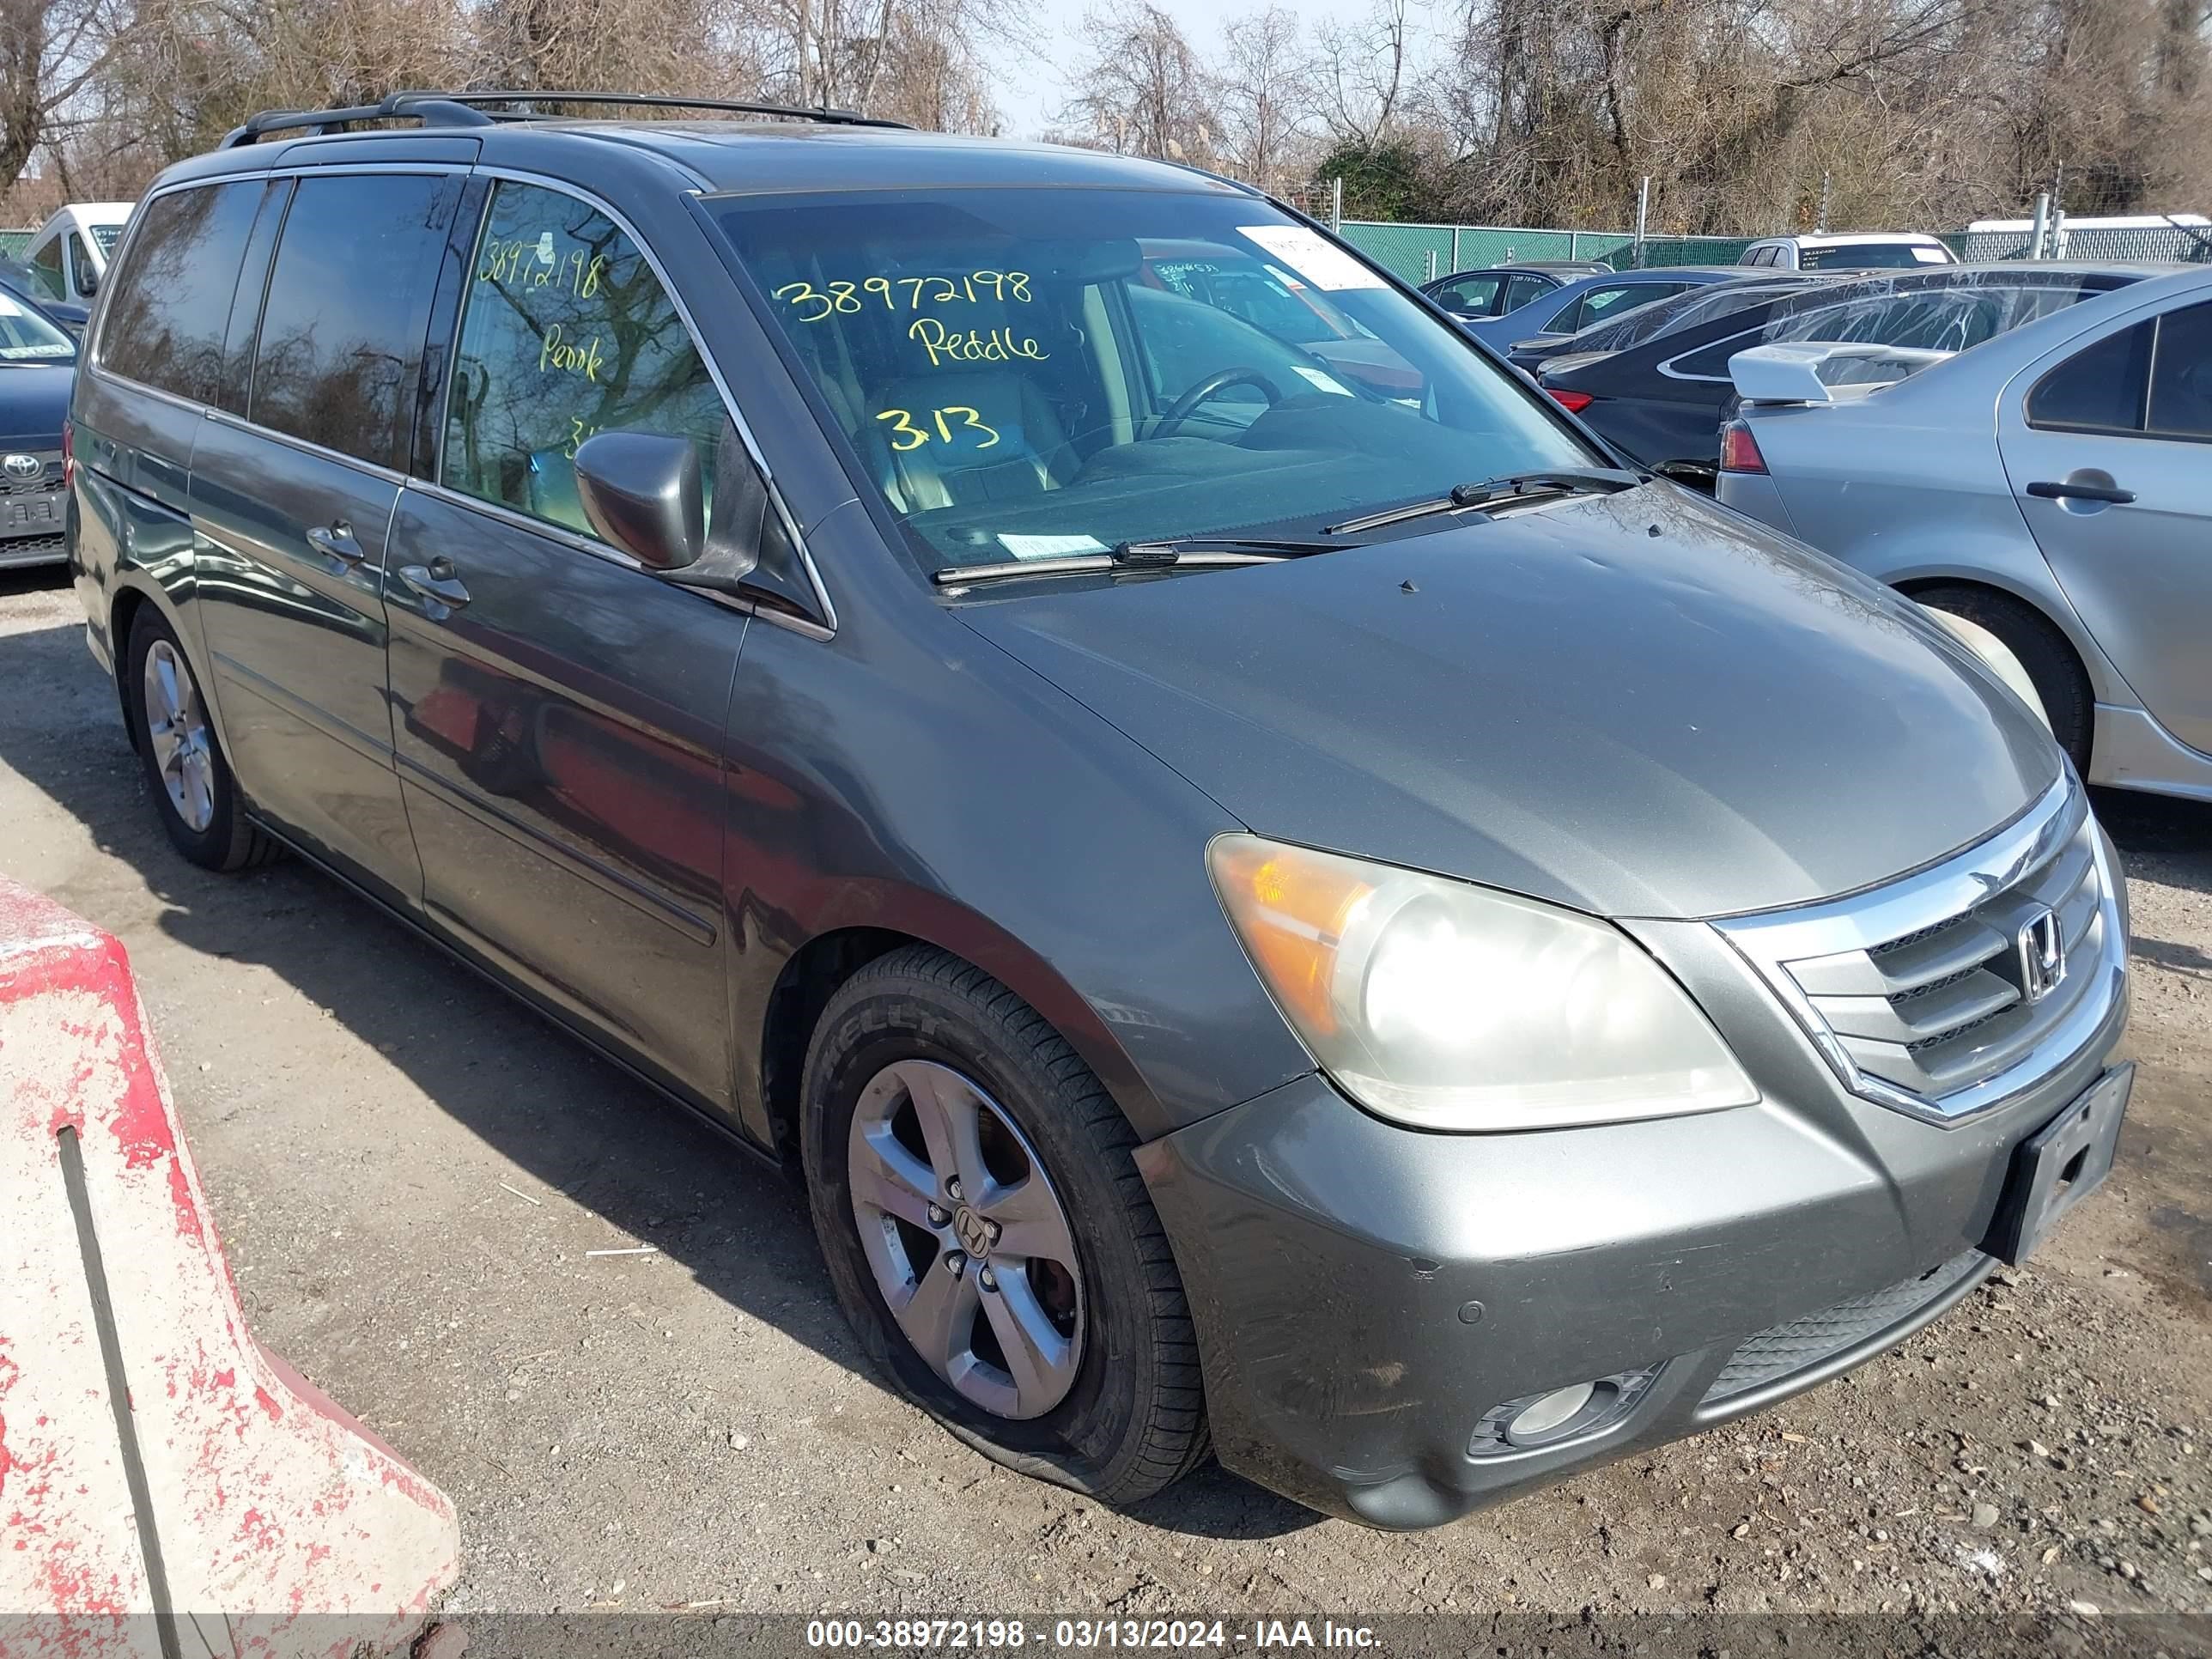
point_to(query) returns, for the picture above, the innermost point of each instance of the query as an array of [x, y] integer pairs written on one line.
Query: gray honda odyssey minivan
[[1279, 896]]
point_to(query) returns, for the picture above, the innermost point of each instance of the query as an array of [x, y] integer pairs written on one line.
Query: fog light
[[1574, 1413], [1534, 1422]]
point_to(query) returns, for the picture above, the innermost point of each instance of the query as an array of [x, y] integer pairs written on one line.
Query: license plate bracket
[[2059, 1165]]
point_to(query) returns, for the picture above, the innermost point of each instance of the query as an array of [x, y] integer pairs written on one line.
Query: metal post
[[1336, 204], [1455, 264], [2042, 225], [1429, 258], [1642, 214]]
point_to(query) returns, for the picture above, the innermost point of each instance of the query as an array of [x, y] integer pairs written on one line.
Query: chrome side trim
[[1771, 941]]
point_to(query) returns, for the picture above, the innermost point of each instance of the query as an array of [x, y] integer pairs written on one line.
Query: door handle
[[2065, 489], [337, 541], [435, 582]]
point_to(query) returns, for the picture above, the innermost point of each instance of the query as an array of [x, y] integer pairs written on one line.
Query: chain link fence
[[13, 242]]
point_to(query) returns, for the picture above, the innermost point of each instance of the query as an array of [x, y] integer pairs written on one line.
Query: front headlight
[[1452, 1006]]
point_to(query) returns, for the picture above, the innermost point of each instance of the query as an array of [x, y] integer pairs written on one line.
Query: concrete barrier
[[168, 1485]]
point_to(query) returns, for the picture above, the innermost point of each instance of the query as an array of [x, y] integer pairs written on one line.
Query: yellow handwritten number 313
[[906, 436]]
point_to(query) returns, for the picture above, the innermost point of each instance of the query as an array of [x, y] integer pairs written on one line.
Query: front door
[[559, 711], [291, 509], [2108, 446]]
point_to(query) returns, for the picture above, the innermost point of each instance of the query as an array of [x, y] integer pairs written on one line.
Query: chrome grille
[[1935, 993]]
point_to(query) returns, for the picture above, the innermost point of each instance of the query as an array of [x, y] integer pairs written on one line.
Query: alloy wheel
[[176, 726], [968, 1243]]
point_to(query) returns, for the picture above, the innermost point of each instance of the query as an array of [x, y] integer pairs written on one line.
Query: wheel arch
[[868, 922]]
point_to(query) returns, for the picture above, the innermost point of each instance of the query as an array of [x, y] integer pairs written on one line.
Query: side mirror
[[642, 492], [87, 283]]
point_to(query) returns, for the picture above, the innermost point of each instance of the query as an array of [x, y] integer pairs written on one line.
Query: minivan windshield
[[1027, 374]]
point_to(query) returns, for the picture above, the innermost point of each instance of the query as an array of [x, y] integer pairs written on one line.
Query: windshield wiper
[[1491, 492], [1193, 552]]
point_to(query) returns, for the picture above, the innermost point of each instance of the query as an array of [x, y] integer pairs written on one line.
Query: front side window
[[341, 344], [83, 276], [1526, 290], [565, 332], [2181, 374], [1023, 373], [164, 322]]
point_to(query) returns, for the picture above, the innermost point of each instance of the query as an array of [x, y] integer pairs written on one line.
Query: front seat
[[1013, 446]]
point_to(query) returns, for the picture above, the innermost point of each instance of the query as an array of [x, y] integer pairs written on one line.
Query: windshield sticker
[[1313, 377], [1931, 256], [1322, 264], [1050, 547]]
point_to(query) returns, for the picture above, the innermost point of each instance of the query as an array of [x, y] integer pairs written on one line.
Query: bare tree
[[51, 51], [1363, 70], [1141, 89], [1264, 93]]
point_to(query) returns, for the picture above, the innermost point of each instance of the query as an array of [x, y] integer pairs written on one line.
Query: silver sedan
[[2048, 493]]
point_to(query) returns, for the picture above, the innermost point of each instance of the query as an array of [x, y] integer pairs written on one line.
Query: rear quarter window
[[170, 302]]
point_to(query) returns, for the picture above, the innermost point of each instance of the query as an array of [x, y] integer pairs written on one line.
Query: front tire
[[987, 1234], [2023, 649], [194, 794]]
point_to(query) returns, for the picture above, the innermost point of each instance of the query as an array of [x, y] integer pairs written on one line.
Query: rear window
[[1872, 256], [171, 302], [104, 237], [1685, 310], [349, 303], [1935, 315]]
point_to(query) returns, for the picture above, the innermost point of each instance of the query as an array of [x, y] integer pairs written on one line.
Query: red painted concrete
[[285, 1528]]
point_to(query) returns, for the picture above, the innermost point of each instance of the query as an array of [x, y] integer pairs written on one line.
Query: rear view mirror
[[642, 492]]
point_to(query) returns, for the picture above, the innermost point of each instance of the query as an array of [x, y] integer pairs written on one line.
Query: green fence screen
[[1418, 252]]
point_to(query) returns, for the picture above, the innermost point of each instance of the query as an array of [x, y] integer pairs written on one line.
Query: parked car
[[1501, 290], [21, 283], [1692, 306], [69, 255], [1850, 251], [37, 363], [1179, 880], [1663, 401], [2048, 493], [1545, 324]]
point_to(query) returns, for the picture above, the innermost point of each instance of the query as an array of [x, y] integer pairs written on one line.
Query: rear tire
[[1112, 1405], [2023, 648], [194, 794]]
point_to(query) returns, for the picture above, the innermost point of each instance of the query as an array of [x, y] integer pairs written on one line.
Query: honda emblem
[[2042, 955]]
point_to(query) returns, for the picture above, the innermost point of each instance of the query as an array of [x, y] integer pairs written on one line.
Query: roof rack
[[460, 109]]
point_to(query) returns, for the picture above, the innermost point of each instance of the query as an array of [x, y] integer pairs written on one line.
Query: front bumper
[[1365, 1293]]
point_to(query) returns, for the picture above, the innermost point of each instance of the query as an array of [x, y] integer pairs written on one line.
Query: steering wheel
[[1213, 386]]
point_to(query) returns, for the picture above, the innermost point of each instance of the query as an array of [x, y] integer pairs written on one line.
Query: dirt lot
[[408, 1170]]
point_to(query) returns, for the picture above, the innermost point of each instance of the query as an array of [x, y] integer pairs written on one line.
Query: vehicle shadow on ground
[[574, 1123]]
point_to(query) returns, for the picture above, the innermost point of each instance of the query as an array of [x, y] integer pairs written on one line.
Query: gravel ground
[[408, 1170]]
